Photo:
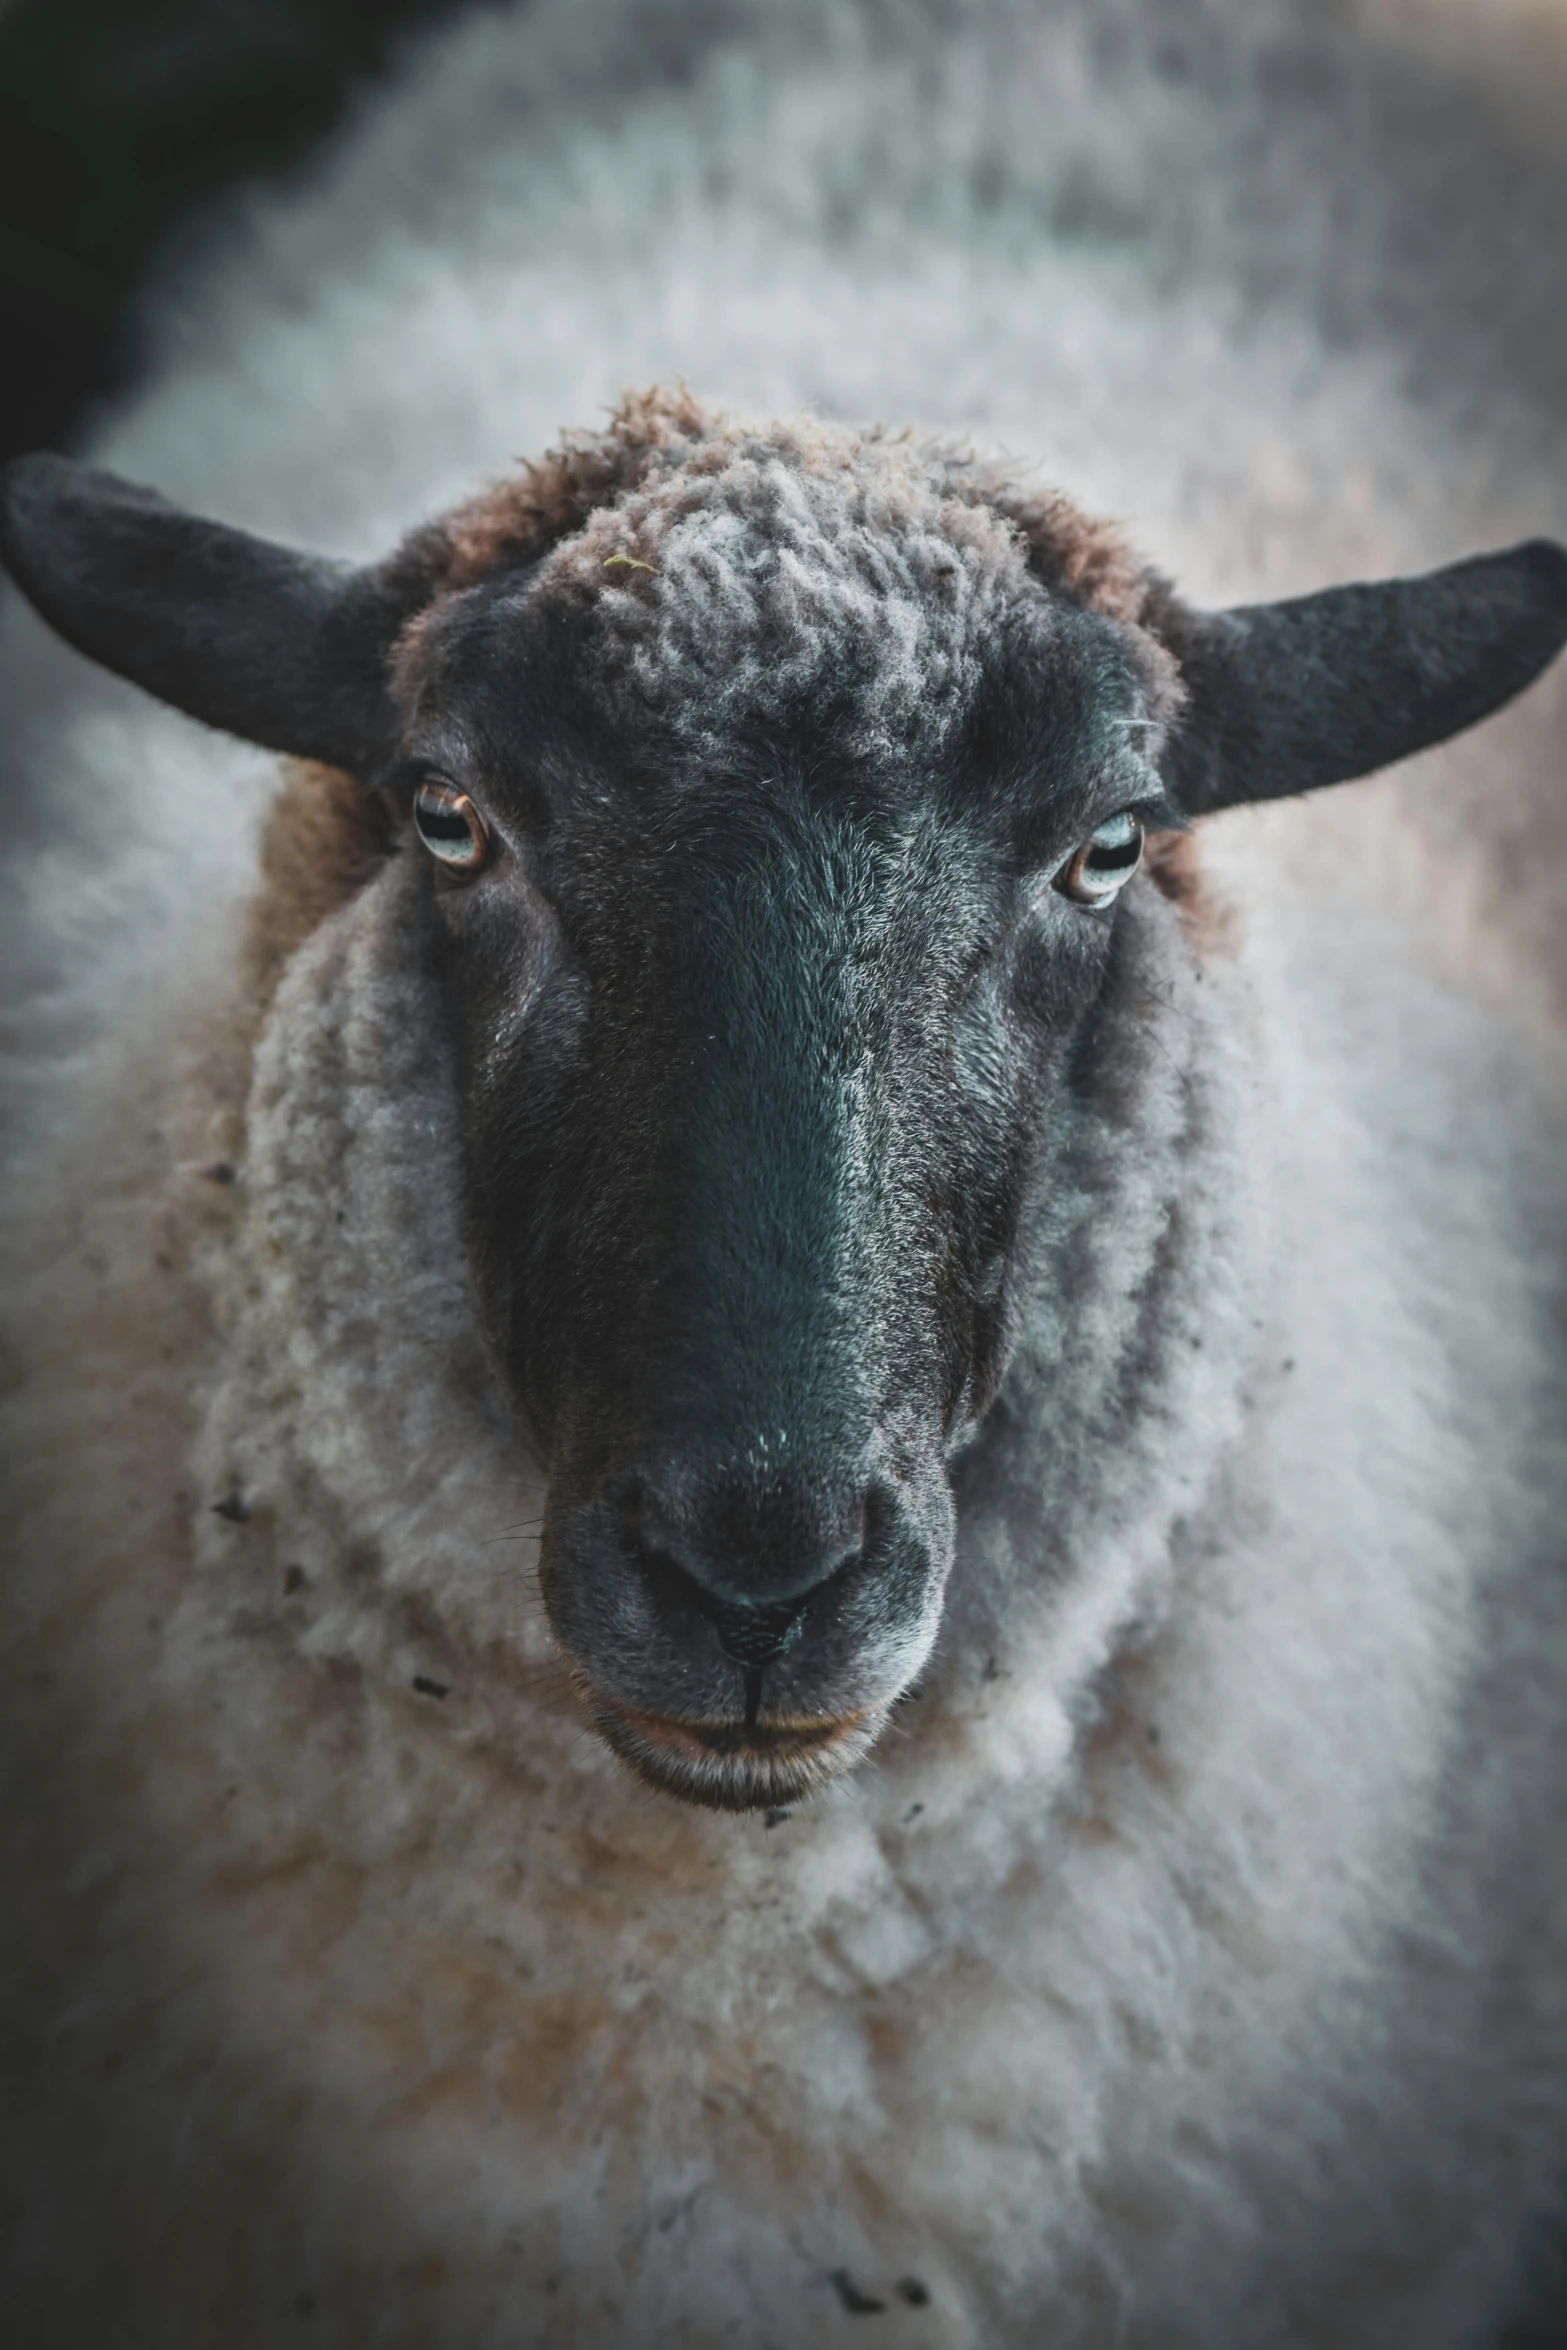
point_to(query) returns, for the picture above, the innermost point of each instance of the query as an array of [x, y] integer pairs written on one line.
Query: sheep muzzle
[[713, 1672]]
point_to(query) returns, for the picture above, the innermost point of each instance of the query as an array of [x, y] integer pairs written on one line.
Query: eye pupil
[[439, 824], [450, 825], [1112, 856], [1109, 857]]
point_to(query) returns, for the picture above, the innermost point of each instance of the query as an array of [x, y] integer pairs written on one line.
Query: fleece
[[1187, 1965]]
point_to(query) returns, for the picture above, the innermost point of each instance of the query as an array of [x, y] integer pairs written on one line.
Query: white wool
[[1188, 1964]]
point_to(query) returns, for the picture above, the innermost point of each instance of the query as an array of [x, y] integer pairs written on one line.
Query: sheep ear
[[284, 649], [1284, 697]]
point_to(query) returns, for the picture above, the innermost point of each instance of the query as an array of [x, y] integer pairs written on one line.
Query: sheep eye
[[1095, 873], [450, 826]]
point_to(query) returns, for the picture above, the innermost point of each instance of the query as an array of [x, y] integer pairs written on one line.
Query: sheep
[[1036, 1415]]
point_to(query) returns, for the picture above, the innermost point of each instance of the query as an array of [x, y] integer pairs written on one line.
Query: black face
[[755, 1054]]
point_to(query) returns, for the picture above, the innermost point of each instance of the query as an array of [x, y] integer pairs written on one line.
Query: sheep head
[[776, 788]]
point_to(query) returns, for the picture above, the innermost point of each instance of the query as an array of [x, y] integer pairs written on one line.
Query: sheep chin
[[760, 1770]]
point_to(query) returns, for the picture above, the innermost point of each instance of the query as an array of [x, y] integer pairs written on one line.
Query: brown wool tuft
[[1175, 866], [326, 835], [515, 522]]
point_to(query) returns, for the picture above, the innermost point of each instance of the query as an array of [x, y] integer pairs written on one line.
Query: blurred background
[[123, 123]]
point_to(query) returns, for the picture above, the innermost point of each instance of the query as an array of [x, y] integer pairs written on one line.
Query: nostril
[[752, 1636], [753, 1561], [751, 1633]]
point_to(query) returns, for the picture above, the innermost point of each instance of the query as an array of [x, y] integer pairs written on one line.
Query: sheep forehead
[[775, 572], [724, 576]]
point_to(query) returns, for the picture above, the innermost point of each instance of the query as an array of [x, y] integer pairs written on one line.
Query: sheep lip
[[723, 1737], [726, 1767]]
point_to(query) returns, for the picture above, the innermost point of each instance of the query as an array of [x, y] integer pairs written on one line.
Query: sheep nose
[[748, 1560]]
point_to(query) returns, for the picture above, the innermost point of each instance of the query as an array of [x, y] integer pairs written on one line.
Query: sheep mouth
[[732, 1766]]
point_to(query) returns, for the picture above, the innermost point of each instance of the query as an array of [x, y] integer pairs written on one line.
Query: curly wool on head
[[744, 571]]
